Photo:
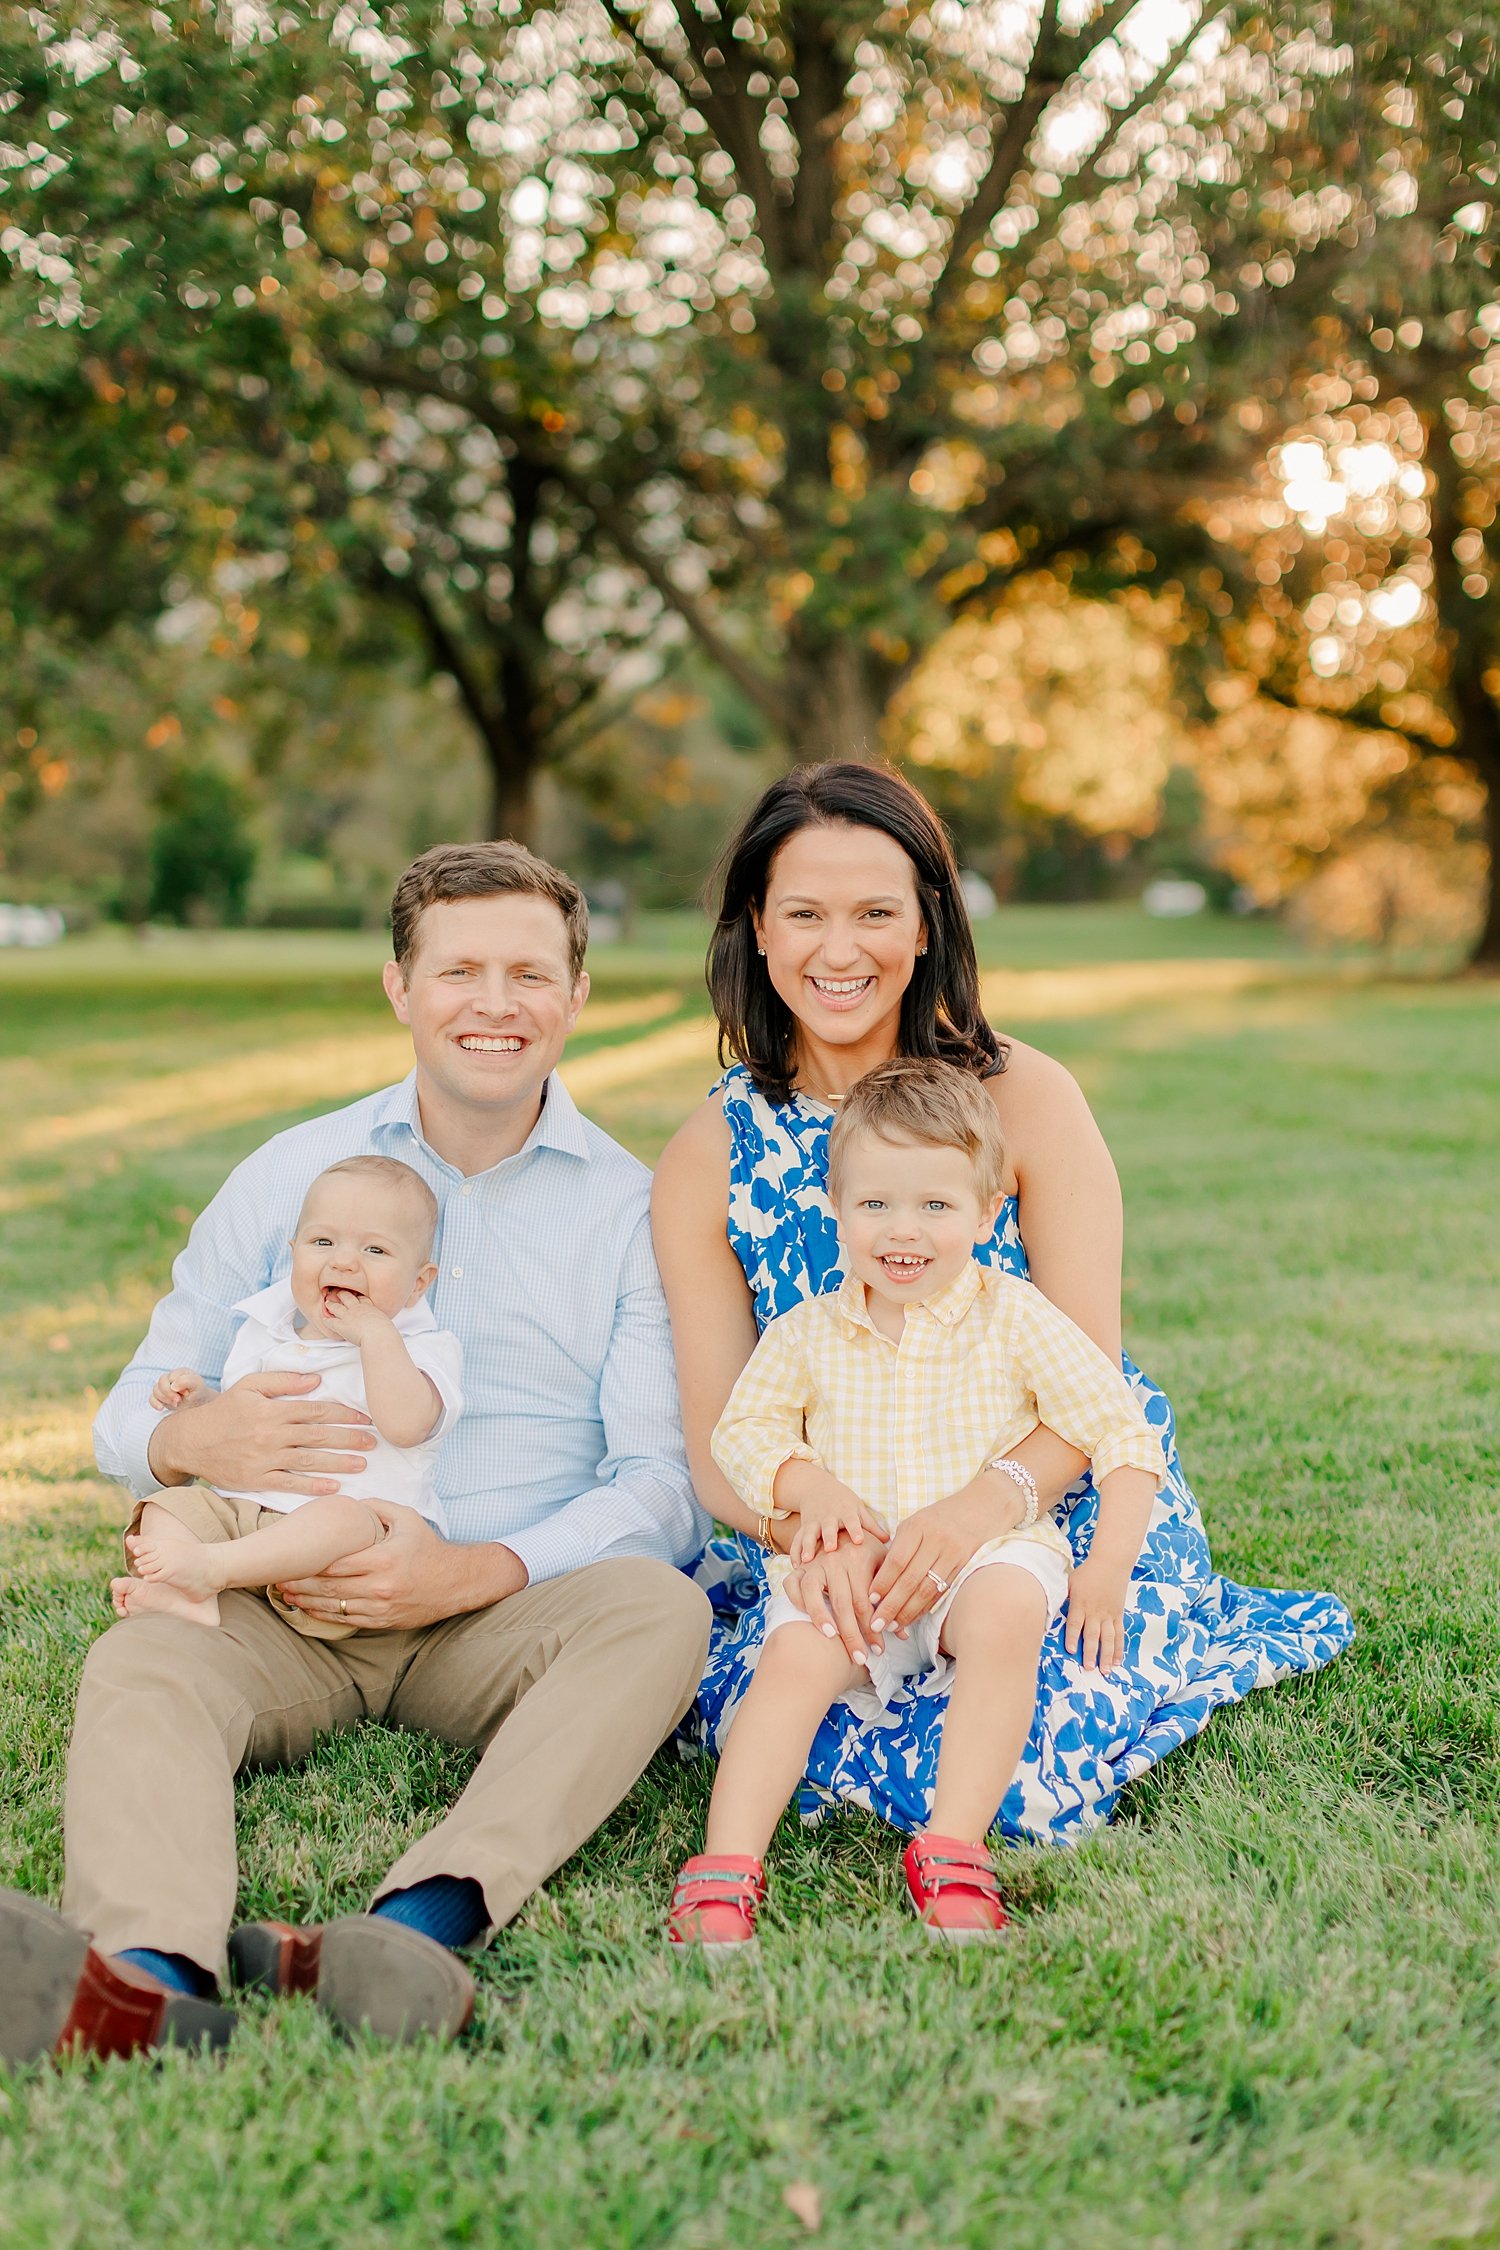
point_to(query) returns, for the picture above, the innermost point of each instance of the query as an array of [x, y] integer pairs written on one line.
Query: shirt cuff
[[1136, 1450], [132, 1463], [757, 1488], [549, 1549]]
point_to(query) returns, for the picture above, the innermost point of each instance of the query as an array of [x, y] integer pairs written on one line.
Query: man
[[551, 1631]]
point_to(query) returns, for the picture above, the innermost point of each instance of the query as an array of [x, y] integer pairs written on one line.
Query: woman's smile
[[841, 993]]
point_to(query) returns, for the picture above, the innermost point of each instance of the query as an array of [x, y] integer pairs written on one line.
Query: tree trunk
[[837, 696], [1478, 744], [1473, 708], [512, 810], [1486, 954]]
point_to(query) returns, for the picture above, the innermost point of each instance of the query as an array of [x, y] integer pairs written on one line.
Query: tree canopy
[[802, 331]]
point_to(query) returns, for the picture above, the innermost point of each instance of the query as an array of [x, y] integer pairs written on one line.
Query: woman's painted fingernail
[[830, 1632]]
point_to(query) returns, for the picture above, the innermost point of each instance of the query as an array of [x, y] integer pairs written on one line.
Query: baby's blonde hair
[[933, 1105], [394, 1174]]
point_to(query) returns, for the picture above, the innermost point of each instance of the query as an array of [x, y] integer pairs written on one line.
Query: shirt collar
[[276, 1310], [558, 1127], [948, 1307]]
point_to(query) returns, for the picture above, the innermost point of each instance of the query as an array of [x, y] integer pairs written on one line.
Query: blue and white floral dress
[[1193, 1640]]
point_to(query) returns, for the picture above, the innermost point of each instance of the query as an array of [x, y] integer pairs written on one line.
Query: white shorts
[[920, 1652]]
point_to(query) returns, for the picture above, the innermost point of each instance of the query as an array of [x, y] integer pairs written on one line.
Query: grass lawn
[[1264, 2010]]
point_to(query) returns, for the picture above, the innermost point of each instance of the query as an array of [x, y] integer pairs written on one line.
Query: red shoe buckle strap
[[716, 1886], [956, 1871]]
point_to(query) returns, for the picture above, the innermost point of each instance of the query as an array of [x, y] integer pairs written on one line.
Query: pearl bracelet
[[1020, 1475]]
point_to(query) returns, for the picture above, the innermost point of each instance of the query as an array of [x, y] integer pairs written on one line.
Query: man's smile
[[490, 1043]]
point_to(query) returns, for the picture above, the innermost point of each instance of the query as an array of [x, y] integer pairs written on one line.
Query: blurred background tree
[[807, 335]]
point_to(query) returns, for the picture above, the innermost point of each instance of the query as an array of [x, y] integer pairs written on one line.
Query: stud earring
[[760, 949], [921, 949]]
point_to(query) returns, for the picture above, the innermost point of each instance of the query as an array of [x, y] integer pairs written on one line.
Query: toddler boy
[[861, 1408]]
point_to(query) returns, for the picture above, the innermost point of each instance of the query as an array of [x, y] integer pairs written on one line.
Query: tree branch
[[732, 110], [765, 693], [1010, 137], [1360, 714], [815, 111], [657, 57], [1088, 179], [447, 654], [600, 504]]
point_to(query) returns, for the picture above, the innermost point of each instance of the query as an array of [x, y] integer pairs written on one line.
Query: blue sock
[[449, 1908], [174, 1970]]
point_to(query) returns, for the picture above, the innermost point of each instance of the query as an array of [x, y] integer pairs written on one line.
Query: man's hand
[[834, 1590], [940, 1538], [413, 1578], [1095, 1630], [263, 1435]]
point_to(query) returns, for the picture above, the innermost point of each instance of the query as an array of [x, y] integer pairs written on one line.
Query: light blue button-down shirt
[[570, 1447]]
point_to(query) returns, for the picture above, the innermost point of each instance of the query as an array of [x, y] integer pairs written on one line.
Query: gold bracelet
[[763, 1523]]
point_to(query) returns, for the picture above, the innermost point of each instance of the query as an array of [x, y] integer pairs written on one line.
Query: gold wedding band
[[343, 1608]]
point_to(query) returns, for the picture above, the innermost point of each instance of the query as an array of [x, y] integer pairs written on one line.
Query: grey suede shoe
[[365, 1971], [59, 1996]]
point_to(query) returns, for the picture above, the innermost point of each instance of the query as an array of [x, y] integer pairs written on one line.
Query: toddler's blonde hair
[[931, 1104]]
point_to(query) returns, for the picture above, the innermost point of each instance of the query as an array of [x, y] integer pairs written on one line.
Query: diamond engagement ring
[[940, 1583]]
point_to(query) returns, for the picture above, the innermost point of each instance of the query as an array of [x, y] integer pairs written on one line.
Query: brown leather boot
[[58, 1995]]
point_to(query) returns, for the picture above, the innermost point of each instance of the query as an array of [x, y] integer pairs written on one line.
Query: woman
[[842, 940]]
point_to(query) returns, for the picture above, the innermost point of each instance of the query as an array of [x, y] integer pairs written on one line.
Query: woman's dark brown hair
[[941, 1017]]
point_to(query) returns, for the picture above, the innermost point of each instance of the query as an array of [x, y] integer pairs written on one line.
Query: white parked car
[[30, 925], [978, 896], [1173, 895]]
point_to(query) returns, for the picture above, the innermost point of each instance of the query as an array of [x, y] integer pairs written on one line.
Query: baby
[[353, 1312], [861, 1409]]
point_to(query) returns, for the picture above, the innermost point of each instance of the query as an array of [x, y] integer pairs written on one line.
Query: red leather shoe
[[954, 1889], [714, 1901], [59, 1996]]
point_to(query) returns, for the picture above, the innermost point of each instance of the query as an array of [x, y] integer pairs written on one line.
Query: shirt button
[[458, 1273], [466, 1189]]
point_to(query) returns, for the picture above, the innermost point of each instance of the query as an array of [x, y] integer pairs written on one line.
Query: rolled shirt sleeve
[[764, 1422], [1082, 1394], [643, 1502]]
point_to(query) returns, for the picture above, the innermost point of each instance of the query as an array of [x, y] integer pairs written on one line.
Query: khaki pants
[[568, 1688]]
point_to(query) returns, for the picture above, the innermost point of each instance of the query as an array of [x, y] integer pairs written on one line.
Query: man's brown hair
[[454, 871], [935, 1105]]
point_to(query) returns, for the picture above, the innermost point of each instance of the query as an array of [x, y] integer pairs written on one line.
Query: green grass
[[1264, 2010]]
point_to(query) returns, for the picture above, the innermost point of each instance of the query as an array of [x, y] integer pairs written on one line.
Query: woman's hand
[[935, 1543], [834, 1590]]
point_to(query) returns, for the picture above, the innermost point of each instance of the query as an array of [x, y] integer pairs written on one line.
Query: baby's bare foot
[[142, 1597], [170, 1555]]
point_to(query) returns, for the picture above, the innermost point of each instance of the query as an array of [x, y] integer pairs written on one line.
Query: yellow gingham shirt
[[978, 1366]]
